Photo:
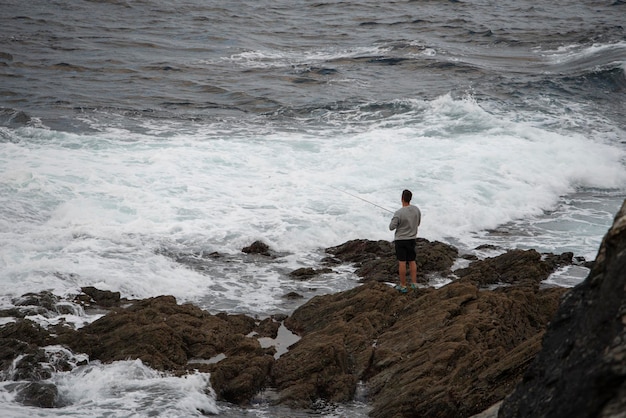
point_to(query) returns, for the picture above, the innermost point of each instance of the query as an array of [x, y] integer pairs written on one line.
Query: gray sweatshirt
[[405, 221]]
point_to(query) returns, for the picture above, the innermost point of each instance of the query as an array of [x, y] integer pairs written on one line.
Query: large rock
[[39, 394], [178, 338], [103, 298], [447, 352], [581, 369], [514, 266], [22, 339], [376, 260], [338, 331]]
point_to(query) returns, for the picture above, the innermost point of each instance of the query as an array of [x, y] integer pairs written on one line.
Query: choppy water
[[134, 130]]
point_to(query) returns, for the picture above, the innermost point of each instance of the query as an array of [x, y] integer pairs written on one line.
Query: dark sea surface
[[136, 134]]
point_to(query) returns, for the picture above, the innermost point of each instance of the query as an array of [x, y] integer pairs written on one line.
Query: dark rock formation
[[447, 352], [514, 266], [40, 394], [376, 261], [22, 337], [257, 247], [169, 336], [103, 298], [581, 369], [43, 303], [306, 273], [293, 296]]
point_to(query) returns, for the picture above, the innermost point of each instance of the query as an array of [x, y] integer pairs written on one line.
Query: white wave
[[273, 58], [126, 386], [122, 389], [97, 208], [588, 57]]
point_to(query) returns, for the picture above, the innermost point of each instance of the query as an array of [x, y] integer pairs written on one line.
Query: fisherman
[[405, 221]]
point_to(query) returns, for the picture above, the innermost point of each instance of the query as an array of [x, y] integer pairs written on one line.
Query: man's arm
[[395, 221]]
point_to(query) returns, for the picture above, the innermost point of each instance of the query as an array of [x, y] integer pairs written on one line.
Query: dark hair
[[407, 195]]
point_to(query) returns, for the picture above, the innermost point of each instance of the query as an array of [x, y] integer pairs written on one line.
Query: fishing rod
[[360, 198]]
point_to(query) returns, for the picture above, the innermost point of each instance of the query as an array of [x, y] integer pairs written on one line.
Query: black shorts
[[405, 249]]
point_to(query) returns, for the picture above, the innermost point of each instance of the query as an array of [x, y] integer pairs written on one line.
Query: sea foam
[[97, 208]]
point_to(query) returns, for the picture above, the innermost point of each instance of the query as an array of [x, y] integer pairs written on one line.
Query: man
[[405, 221]]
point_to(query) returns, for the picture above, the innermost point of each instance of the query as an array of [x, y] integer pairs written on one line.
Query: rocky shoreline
[[452, 351]]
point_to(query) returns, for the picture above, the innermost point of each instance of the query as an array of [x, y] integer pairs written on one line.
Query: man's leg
[[402, 272], [413, 271]]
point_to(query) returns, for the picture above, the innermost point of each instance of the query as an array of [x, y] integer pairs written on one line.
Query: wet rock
[[331, 261], [242, 374], [267, 328], [23, 311], [43, 303], [380, 270], [21, 355], [490, 247], [376, 260], [581, 370], [32, 366], [306, 273], [44, 299], [280, 317], [514, 266], [435, 256], [445, 352], [560, 260], [103, 298], [25, 331], [470, 257], [158, 331], [257, 247], [39, 394], [167, 336], [319, 369], [293, 296], [360, 250]]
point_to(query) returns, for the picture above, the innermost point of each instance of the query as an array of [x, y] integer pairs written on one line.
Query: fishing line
[[360, 198]]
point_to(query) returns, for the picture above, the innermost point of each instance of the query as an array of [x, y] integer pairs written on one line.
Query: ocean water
[[136, 134]]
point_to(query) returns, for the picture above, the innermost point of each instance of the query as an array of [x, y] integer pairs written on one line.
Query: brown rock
[[158, 331], [306, 273], [242, 374], [26, 331], [376, 260], [360, 250], [435, 257], [46, 300], [316, 369], [514, 266], [23, 339], [39, 394], [102, 298], [293, 295], [445, 352], [166, 336], [267, 328], [257, 247]]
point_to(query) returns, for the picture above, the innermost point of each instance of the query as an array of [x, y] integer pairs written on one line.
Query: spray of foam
[[99, 389], [101, 207]]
